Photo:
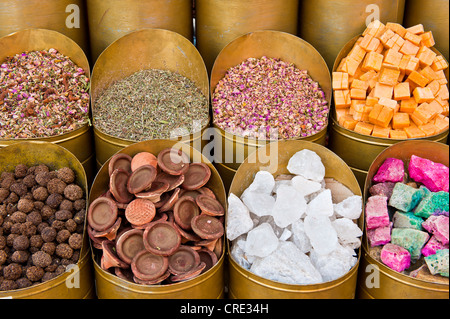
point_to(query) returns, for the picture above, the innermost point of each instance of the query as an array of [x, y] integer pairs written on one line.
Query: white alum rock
[[289, 207], [287, 264], [261, 241], [299, 237], [350, 207], [305, 186], [348, 232], [321, 205], [308, 164], [239, 221], [335, 264], [260, 204], [264, 183], [322, 235]]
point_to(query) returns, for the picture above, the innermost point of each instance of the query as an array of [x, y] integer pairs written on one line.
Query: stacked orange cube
[[392, 85]]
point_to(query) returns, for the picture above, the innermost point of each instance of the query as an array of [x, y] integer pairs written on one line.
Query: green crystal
[[405, 197], [438, 263], [412, 240], [407, 220], [433, 203]]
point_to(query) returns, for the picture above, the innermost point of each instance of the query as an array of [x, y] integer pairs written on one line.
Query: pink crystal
[[377, 212], [379, 236], [432, 246], [395, 257], [439, 227], [392, 170], [434, 176]]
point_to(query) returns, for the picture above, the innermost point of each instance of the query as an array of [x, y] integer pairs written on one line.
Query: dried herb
[[151, 104]]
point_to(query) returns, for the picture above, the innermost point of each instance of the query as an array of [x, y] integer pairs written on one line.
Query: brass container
[[151, 49], [329, 24], [79, 141], [65, 16], [274, 158], [359, 150], [433, 14], [227, 175], [274, 44], [110, 20], [377, 281], [209, 285], [219, 22], [77, 282]]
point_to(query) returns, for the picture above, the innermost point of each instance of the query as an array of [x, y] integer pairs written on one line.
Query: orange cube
[[340, 81], [418, 79], [340, 113], [414, 132], [416, 119], [408, 105], [396, 42], [400, 120], [429, 73], [383, 90], [389, 103], [357, 53], [375, 28], [386, 36], [389, 75], [413, 38], [429, 129], [434, 86], [413, 65], [369, 43], [348, 65], [443, 92], [442, 79], [402, 91], [426, 56], [397, 28], [342, 99], [373, 61], [349, 122], [425, 113], [441, 123], [374, 113], [385, 117], [409, 48], [416, 29], [382, 132], [436, 107], [439, 63], [398, 134], [393, 57], [371, 101], [358, 84], [364, 128], [423, 95], [428, 39], [358, 94]]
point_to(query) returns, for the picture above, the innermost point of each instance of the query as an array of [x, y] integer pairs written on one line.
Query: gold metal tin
[[65, 16], [112, 19], [274, 44], [329, 24], [245, 285], [433, 14], [219, 22], [359, 150], [79, 141], [209, 285], [78, 282], [139, 50], [377, 281]]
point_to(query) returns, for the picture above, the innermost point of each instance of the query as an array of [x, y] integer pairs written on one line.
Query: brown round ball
[[40, 193], [2, 241], [48, 276], [43, 178], [73, 192], [41, 259], [23, 283], [13, 271], [56, 185], [25, 205], [75, 241], [34, 273], [21, 242], [49, 248], [20, 171], [63, 215], [48, 234], [29, 180], [36, 241], [41, 168], [66, 205], [79, 204], [7, 285], [70, 225], [18, 217], [47, 212], [19, 188], [79, 217], [3, 257], [34, 217], [29, 229], [66, 174], [20, 256], [54, 200], [4, 193], [62, 236], [64, 251]]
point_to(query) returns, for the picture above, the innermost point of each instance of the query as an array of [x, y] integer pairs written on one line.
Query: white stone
[[338, 190], [286, 234], [321, 233], [279, 183], [287, 264], [278, 231], [238, 218], [321, 205], [299, 237], [261, 241], [260, 204], [348, 232], [335, 264], [350, 207], [305, 186], [289, 207], [238, 254], [264, 183], [308, 164]]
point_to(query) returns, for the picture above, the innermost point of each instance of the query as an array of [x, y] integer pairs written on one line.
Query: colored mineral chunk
[[379, 236], [382, 189], [433, 246], [377, 214], [392, 170], [407, 220], [411, 239], [434, 176], [439, 227], [438, 263], [395, 257], [405, 198], [433, 204]]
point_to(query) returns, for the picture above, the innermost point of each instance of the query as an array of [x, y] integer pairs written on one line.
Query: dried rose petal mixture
[[267, 98], [42, 94]]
